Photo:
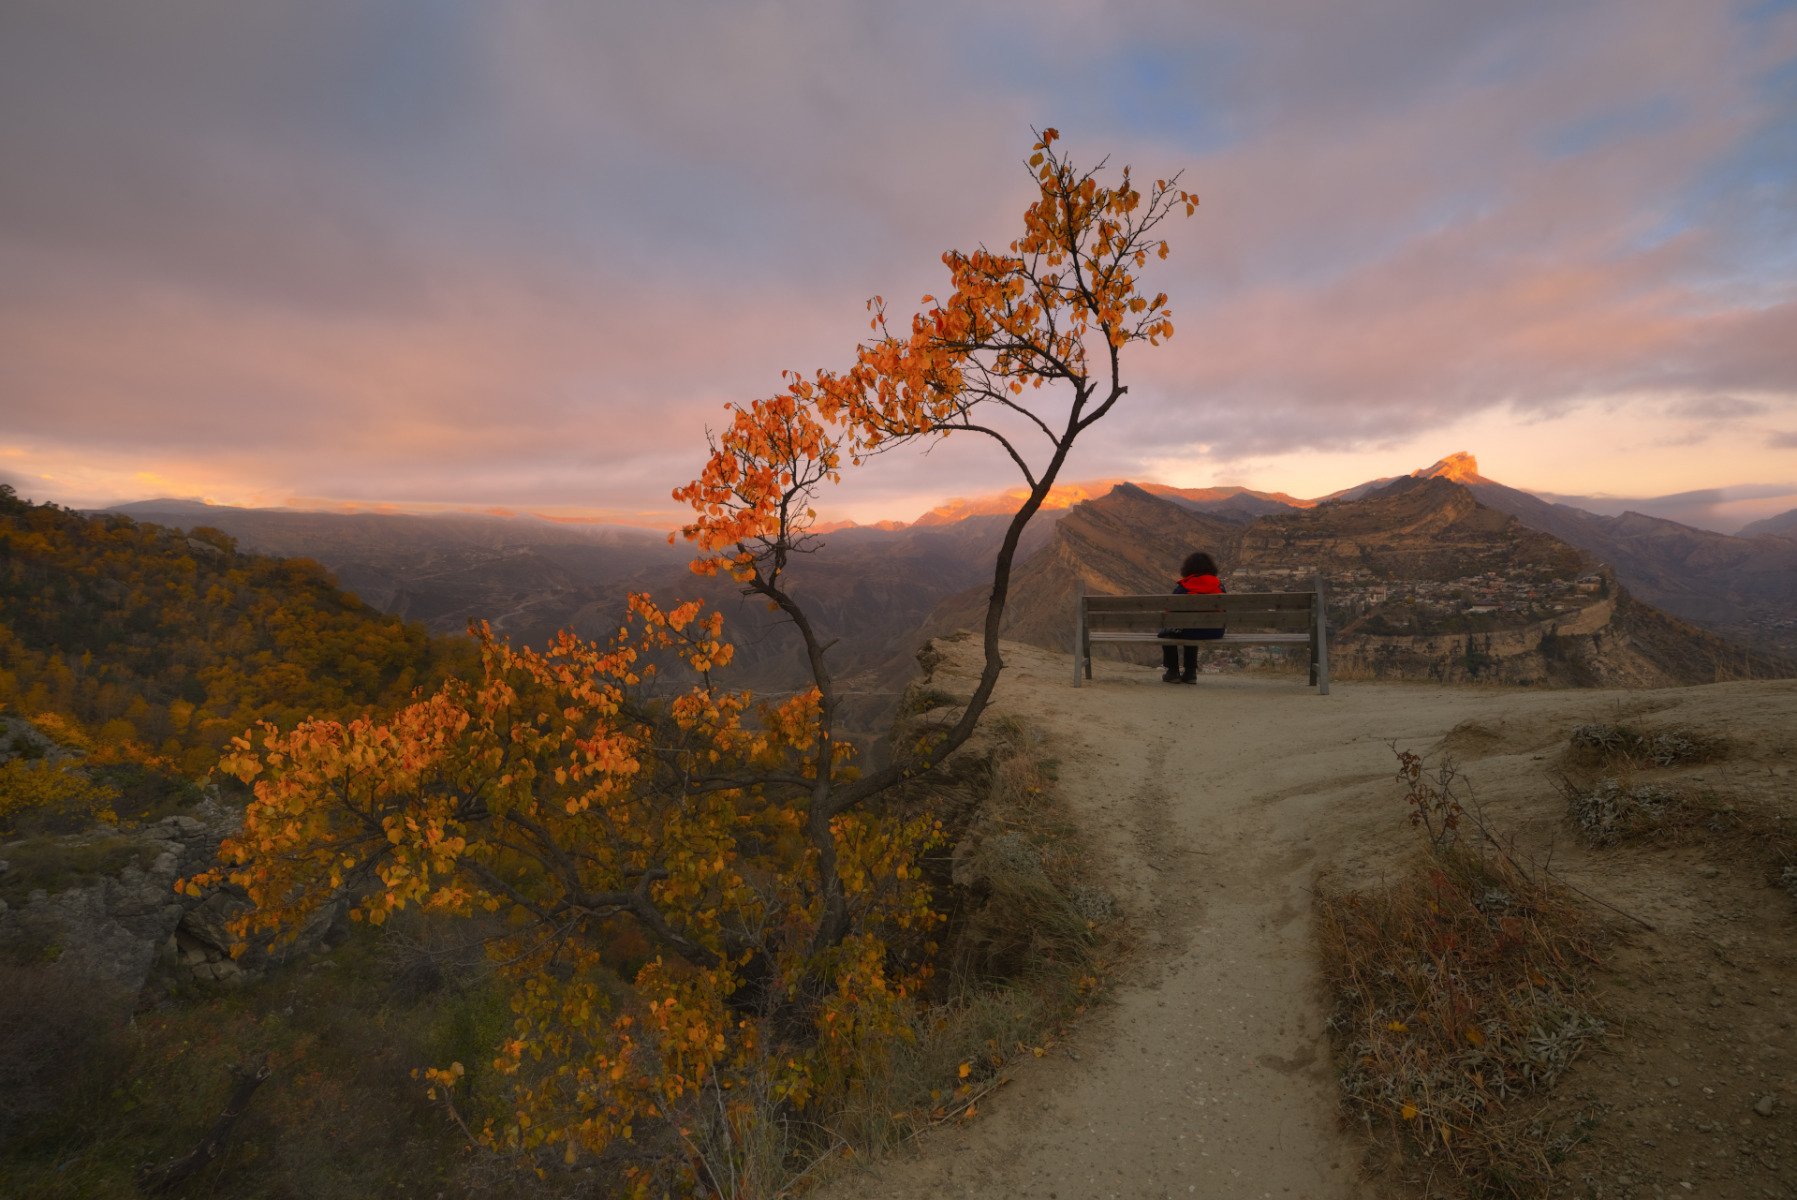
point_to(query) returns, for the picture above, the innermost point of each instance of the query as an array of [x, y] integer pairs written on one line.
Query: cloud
[[521, 254], [1715, 408]]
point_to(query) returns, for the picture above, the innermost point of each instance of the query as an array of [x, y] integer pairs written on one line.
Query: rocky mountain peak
[[1461, 467]]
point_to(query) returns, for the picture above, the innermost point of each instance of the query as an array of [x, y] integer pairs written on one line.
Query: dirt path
[[1210, 810]]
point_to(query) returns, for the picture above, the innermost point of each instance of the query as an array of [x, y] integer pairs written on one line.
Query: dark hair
[[1198, 563]]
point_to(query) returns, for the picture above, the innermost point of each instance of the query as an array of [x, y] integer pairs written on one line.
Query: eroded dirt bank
[[1212, 811]]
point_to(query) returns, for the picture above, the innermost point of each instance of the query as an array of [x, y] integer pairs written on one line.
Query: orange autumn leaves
[[560, 795], [1011, 323]]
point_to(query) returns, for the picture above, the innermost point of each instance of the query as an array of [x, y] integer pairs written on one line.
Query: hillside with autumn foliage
[[141, 644]]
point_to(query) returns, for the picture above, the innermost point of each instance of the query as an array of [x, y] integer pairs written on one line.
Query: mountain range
[[881, 586]]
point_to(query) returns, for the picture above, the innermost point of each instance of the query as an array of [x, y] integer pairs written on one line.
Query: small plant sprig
[[1435, 807]]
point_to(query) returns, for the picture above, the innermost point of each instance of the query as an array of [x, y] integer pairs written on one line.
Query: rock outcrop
[[132, 934]]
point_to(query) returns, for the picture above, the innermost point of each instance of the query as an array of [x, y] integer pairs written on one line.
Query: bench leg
[[1079, 634], [1319, 641], [1322, 671]]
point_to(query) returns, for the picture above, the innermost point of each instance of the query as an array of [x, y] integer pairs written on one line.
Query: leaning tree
[[763, 875]]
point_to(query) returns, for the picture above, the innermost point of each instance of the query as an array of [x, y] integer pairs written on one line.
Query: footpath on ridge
[[1209, 812]]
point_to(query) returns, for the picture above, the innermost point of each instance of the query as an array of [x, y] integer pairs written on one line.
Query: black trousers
[[1170, 654]]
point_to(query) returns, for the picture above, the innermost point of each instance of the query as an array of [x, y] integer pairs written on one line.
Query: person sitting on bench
[[1198, 577]]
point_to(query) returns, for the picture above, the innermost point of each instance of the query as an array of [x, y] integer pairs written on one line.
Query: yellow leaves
[[964, 1070], [1398, 1027], [1408, 1112]]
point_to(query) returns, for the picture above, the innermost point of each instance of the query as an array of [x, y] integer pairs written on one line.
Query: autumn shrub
[[47, 795], [1023, 948], [1461, 995], [425, 953]]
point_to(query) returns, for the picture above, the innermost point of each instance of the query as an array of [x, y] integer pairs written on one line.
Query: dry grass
[[1461, 995]]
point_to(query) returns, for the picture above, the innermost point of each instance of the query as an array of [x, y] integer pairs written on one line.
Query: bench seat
[[1124, 635]]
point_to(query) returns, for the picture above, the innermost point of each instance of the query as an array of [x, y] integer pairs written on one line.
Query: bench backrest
[[1236, 610]]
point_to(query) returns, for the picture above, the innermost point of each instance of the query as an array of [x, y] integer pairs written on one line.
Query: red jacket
[[1196, 585]]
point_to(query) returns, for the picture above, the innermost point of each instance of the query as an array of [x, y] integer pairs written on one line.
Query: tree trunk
[[154, 1180]]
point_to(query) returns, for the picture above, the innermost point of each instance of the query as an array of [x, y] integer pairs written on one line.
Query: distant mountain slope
[[1744, 588], [1235, 503], [1420, 527], [154, 643], [526, 575], [1784, 525], [1127, 542], [869, 586], [1425, 583]]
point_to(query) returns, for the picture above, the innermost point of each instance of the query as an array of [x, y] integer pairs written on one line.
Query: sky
[[477, 253]]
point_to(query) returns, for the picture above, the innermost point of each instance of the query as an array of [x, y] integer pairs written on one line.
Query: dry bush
[[1460, 998], [1611, 811], [1620, 748]]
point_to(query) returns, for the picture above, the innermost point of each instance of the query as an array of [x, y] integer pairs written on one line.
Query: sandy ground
[[1212, 811]]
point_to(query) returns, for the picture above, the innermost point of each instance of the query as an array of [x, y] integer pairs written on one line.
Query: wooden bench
[[1246, 618]]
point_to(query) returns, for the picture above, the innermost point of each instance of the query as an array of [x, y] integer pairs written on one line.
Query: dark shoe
[[1172, 675], [1188, 678]]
